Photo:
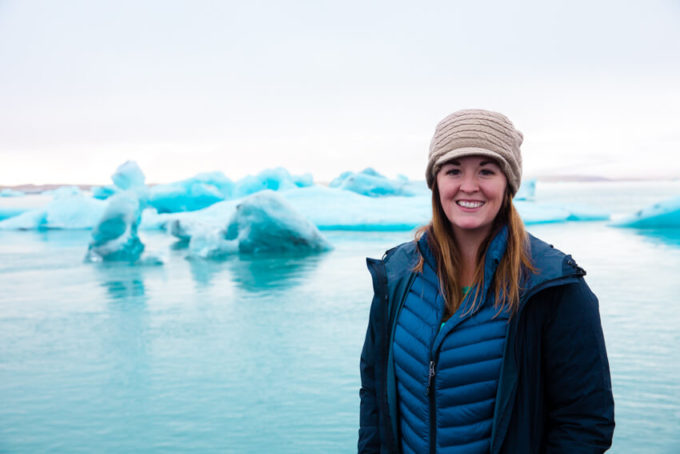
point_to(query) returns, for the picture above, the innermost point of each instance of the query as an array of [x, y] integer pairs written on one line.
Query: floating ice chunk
[[542, 213], [192, 194], [14, 206], [70, 208], [10, 212], [214, 217], [664, 214], [28, 220], [103, 192], [371, 183], [337, 181], [7, 192], [115, 236], [128, 176], [262, 223], [211, 244], [304, 180], [277, 179], [336, 209], [266, 222], [63, 191], [527, 190], [73, 211]]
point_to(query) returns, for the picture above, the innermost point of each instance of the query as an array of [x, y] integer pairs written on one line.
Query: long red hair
[[514, 265]]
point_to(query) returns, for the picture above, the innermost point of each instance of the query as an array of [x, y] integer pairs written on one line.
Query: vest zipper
[[433, 410]]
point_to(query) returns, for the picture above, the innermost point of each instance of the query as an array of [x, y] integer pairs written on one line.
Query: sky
[[183, 87]]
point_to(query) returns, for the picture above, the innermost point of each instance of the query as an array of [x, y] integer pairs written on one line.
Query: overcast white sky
[[317, 86]]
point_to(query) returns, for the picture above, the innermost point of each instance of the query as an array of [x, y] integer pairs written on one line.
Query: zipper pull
[[430, 377]]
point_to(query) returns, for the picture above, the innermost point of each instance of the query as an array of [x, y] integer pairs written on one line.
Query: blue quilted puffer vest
[[447, 377]]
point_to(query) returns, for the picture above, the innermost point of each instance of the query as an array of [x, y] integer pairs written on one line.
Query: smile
[[469, 204]]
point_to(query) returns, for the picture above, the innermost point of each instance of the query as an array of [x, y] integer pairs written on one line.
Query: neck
[[468, 243]]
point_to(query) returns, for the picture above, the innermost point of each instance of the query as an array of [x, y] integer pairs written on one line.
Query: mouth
[[469, 203]]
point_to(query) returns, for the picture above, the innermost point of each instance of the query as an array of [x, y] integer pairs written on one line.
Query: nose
[[469, 182]]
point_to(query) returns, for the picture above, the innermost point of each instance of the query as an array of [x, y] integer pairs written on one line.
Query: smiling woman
[[481, 338]]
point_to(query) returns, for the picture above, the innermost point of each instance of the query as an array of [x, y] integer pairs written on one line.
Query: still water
[[261, 355]]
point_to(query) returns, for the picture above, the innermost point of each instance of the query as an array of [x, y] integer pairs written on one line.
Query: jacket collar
[[492, 258]]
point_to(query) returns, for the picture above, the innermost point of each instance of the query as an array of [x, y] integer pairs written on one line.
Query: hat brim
[[469, 151]]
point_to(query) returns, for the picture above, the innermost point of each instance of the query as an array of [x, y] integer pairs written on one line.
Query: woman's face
[[471, 193]]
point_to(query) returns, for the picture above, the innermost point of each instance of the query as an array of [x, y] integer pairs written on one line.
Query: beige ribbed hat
[[481, 133]]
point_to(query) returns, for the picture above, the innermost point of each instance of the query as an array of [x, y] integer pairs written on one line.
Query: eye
[[453, 171], [487, 172]]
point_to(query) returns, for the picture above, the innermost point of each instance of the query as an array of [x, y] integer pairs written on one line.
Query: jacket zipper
[[433, 410], [393, 322]]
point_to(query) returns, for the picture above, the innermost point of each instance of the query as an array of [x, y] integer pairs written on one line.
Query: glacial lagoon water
[[261, 355]]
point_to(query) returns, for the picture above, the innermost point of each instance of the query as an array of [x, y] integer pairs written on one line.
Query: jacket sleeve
[[369, 431], [580, 404]]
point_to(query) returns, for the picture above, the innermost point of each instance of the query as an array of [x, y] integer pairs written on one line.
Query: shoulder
[[396, 263], [550, 262], [407, 251]]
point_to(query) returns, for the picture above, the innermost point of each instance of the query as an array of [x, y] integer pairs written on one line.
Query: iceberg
[[191, 194], [543, 213], [206, 189], [337, 209], [128, 176], [664, 214], [115, 238], [527, 190], [371, 183], [262, 223], [278, 179], [14, 206], [70, 208], [7, 192], [103, 192]]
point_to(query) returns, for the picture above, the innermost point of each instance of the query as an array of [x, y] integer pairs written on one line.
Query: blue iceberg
[[7, 192], [115, 237], [543, 213], [527, 190], [103, 192], [336, 209], [14, 206], [664, 214], [69, 208], [371, 183], [206, 189], [278, 179], [128, 176], [262, 223], [191, 194]]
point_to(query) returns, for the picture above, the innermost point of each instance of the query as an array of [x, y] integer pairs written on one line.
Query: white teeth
[[466, 204]]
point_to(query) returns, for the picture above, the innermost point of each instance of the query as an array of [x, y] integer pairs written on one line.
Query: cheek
[[446, 193], [499, 189]]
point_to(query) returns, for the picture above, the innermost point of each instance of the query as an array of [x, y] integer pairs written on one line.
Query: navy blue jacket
[[554, 393]]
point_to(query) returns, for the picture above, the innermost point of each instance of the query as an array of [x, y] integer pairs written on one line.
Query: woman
[[481, 338]]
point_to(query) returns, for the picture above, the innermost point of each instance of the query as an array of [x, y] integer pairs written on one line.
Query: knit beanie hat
[[477, 132]]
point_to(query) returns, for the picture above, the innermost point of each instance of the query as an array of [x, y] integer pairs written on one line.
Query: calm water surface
[[261, 355]]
